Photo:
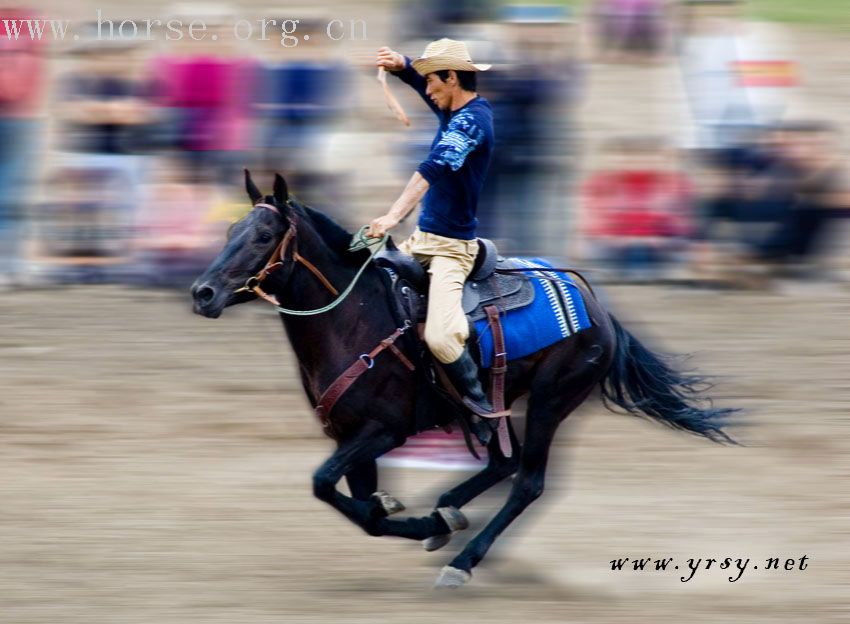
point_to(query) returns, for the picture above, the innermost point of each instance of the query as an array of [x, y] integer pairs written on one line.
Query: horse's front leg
[[352, 459]]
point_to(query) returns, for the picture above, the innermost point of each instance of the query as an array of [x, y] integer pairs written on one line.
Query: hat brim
[[430, 64]]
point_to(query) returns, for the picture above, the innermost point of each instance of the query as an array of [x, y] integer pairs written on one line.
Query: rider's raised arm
[[464, 134], [417, 81]]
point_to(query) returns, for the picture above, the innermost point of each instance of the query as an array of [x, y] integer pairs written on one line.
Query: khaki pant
[[449, 261]]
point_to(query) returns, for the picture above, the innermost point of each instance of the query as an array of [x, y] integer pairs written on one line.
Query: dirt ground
[[155, 467]]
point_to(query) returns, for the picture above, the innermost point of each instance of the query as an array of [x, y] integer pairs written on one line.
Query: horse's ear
[[253, 192], [281, 192]]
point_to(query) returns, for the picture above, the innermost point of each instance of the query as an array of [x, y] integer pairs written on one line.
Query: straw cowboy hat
[[446, 54]]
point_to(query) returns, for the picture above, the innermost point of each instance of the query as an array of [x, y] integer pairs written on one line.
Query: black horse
[[392, 402]]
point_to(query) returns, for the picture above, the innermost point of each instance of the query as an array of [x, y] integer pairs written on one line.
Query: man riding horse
[[448, 183]]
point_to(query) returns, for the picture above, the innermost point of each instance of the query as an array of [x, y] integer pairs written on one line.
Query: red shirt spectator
[[637, 204]]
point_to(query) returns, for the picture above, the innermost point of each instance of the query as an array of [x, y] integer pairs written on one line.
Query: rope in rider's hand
[[392, 102], [362, 240]]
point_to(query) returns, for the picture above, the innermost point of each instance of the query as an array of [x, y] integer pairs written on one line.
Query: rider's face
[[440, 92]]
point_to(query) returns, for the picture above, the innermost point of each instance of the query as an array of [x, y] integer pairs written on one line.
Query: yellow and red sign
[[766, 73]]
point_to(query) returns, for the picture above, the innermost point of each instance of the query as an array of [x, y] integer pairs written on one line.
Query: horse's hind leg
[[545, 412], [497, 469]]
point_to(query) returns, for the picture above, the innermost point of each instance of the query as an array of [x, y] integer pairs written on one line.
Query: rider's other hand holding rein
[[404, 205]]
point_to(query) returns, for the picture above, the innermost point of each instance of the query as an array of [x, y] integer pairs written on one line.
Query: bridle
[[277, 259]]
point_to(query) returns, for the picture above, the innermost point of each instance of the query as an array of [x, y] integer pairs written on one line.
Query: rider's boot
[[463, 374]]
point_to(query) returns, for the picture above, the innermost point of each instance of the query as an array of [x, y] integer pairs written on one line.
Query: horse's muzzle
[[207, 300]]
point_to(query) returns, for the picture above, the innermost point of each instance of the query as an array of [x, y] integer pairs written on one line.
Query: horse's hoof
[[454, 518], [390, 504], [436, 542], [452, 578]]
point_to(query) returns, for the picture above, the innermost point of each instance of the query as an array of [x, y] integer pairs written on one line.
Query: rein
[[360, 241]]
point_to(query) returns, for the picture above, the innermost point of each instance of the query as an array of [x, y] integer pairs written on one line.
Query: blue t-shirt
[[457, 164]]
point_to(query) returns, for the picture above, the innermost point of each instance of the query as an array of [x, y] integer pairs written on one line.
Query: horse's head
[[250, 243]]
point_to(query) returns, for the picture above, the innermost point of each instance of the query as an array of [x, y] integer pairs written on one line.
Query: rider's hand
[[390, 59], [381, 226]]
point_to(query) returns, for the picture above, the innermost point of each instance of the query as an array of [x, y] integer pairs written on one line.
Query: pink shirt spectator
[[214, 96], [21, 67]]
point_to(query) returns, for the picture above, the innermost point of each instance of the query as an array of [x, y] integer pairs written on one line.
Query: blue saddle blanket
[[557, 312]]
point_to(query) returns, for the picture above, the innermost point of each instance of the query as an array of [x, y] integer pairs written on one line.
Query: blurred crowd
[[121, 160], [741, 214], [145, 147]]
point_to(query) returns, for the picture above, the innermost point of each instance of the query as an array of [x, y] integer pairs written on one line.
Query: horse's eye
[[264, 237]]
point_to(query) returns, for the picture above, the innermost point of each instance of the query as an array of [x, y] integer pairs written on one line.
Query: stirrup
[[476, 409], [482, 429]]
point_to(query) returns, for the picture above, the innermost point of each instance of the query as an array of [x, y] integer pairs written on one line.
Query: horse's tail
[[642, 383]]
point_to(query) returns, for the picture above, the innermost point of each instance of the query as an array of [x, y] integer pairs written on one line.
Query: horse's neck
[[327, 343]]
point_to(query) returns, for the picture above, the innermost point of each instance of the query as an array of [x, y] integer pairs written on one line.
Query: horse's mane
[[336, 237]]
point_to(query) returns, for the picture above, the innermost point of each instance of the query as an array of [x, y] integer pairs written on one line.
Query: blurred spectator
[[637, 212], [630, 30], [21, 77], [820, 192], [300, 96], [532, 93], [736, 74], [82, 237], [434, 19], [751, 189], [102, 111], [205, 89], [101, 100], [792, 189], [178, 229]]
